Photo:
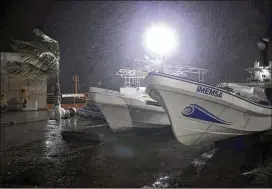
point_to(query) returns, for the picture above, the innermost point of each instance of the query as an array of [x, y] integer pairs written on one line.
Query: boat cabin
[[261, 74]]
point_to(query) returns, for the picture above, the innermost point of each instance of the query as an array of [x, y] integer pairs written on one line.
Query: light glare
[[161, 39]]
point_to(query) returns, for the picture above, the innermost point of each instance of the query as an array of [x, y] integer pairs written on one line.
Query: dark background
[[97, 37]]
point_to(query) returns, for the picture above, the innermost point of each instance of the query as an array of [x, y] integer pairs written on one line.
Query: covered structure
[[22, 93]]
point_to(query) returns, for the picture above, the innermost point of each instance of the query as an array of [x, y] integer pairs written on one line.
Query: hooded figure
[[23, 98]]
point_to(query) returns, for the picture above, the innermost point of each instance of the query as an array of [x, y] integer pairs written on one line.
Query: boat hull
[[114, 110], [146, 116], [198, 118], [124, 113]]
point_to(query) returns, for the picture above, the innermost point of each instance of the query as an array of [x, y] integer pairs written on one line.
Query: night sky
[[96, 38]]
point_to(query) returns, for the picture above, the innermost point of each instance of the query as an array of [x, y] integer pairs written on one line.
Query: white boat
[[129, 108], [132, 107], [200, 112]]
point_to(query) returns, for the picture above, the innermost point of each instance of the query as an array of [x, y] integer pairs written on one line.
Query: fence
[[68, 100]]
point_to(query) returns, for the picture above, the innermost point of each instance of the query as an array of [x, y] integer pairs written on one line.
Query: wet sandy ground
[[36, 154]]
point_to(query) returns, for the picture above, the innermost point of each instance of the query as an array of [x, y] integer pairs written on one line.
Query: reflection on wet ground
[[93, 156]]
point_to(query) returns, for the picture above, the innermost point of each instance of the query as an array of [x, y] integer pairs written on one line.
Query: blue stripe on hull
[[197, 112]]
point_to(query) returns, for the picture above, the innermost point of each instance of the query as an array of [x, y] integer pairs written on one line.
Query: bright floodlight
[[161, 39]]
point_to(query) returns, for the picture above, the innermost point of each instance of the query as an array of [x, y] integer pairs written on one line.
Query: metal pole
[[76, 80]]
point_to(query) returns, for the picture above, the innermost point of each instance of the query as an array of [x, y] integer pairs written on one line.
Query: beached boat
[[129, 108], [201, 112], [132, 107]]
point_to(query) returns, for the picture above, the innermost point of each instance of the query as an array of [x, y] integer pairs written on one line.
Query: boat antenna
[[265, 43], [270, 35]]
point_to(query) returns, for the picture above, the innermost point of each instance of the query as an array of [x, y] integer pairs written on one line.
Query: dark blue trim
[[209, 113], [197, 112], [205, 84]]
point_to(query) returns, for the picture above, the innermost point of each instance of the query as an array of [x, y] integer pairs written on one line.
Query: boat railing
[[261, 74], [137, 70], [132, 76], [184, 71]]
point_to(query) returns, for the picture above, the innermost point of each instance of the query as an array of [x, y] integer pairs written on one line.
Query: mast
[[265, 43], [269, 34]]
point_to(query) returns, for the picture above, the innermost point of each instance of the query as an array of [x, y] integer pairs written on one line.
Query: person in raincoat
[[4, 104], [23, 98]]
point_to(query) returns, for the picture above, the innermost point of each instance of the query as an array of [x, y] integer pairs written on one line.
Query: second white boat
[[129, 108]]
